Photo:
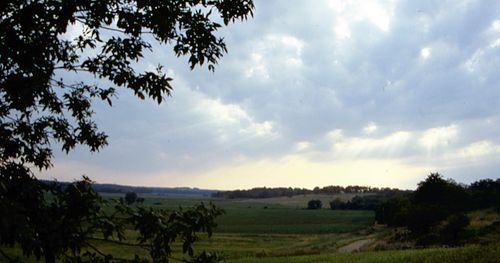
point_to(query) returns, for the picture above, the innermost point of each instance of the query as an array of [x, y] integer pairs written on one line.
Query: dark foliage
[[314, 204], [130, 198], [264, 192], [39, 108], [67, 224], [394, 212], [115, 188], [368, 202], [435, 212], [485, 193]]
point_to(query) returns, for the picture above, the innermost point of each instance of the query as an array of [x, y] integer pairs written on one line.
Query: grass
[[292, 221], [467, 254], [281, 230], [300, 201], [250, 217]]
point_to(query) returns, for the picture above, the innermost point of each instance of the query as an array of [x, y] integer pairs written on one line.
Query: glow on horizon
[[288, 171]]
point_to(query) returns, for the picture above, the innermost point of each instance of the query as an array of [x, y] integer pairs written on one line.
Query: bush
[[130, 197], [314, 204]]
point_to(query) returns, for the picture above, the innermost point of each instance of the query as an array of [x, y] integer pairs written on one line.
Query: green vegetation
[[468, 254], [251, 231], [250, 217], [436, 213], [300, 201], [41, 108]]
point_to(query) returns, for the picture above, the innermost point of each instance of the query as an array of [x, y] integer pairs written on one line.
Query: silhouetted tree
[[485, 193], [394, 212], [337, 204], [435, 212], [39, 108], [130, 197], [314, 204]]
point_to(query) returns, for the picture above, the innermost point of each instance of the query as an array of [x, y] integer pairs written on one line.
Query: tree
[[314, 204], [337, 204], [130, 197], [434, 213], [39, 107]]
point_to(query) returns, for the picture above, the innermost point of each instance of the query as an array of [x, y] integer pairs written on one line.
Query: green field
[[300, 201], [467, 254], [252, 217], [279, 230]]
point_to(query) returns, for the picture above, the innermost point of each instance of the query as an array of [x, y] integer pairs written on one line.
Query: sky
[[316, 93]]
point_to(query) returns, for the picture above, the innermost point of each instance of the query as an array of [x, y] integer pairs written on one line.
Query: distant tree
[[367, 202], [447, 194], [39, 108], [140, 200], [433, 213], [337, 204], [485, 193], [314, 204], [394, 211], [130, 197]]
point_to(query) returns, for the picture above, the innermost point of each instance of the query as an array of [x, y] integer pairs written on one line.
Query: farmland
[[282, 230]]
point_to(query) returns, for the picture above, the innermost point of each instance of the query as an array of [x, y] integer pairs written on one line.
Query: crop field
[[300, 201], [467, 254], [256, 229], [251, 217], [279, 230]]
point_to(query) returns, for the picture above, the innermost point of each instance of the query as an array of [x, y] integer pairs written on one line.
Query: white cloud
[[478, 149], [334, 135], [438, 136], [383, 147], [370, 128], [425, 53], [231, 121], [378, 13], [302, 146], [305, 93], [274, 51]]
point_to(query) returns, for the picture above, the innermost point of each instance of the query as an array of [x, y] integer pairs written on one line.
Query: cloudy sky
[[316, 93]]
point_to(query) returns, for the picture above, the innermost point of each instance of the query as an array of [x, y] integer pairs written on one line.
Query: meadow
[[283, 230], [256, 229]]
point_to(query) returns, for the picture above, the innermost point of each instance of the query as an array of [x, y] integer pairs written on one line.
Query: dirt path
[[355, 246]]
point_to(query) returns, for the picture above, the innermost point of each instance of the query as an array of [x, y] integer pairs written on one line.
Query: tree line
[[265, 192], [436, 212]]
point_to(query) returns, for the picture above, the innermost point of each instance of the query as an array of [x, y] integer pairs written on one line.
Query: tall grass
[[467, 254]]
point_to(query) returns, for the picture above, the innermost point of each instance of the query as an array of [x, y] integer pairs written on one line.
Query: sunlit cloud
[[370, 128], [425, 52], [438, 136], [301, 172], [335, 92]]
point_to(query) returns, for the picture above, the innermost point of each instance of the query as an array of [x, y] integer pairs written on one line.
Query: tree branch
[[95, 249], [113, 29], [6, 256], [118, 242]]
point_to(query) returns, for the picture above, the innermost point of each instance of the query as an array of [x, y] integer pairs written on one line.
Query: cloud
[[345, 86], [439, 136], [370, 128], [300, 172]]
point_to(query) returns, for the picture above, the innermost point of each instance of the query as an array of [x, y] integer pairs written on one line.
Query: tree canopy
[[40, 107], [436, 212]]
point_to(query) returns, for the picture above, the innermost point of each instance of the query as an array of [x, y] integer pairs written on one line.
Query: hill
[[116, 188]]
